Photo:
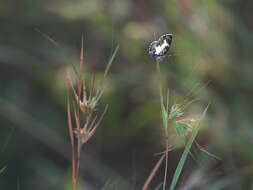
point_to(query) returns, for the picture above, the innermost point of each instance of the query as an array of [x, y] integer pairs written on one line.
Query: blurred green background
[[212, 48]]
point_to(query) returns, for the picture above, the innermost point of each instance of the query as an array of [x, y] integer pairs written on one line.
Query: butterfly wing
[[165, 42], [152, 49], [159, 49], [167, 38]]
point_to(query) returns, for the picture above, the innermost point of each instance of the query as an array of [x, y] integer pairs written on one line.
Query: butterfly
[[159, 49]]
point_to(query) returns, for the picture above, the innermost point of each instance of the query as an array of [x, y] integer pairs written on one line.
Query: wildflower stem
[[78, 160], [166, 164], [160, 83], [164, 111]]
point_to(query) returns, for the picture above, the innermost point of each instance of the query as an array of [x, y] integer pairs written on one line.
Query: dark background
[[212, 48]]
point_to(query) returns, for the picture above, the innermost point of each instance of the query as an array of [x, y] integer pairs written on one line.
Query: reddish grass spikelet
[[82, 113]]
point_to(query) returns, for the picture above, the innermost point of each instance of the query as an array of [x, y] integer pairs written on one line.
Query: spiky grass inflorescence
[[82, 114], [183, 125], [185, 128]]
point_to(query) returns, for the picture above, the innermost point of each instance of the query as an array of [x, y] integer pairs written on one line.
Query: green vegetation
[[145, 124]]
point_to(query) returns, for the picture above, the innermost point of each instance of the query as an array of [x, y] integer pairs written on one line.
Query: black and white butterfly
[[159, 49]]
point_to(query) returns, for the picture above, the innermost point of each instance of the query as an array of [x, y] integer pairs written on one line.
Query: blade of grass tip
[[194, 91], [7, 140], [98, 122], [46, 36], [110, 61], [107, 183], [92, 87], [2, 169], [152, 174], [90, 124], [80, 83], [52, 41], [186, 151], [100, 92], [98, 95], [81, 56]]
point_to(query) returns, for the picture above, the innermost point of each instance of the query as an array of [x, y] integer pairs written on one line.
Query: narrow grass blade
[[81, 57], [98, 122], [71, 132], [100, 92], [47, 37], [110, 61], [186, 151], [2, 169], [7, 140]]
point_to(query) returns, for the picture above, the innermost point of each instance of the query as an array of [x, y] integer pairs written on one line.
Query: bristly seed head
[[175, 111]]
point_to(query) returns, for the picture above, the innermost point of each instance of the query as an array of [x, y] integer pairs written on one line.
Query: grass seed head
[[175, 112]]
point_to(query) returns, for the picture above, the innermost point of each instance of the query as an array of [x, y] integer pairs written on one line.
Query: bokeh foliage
[[212, 48]]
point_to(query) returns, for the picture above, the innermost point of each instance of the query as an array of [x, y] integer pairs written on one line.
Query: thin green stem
[[164, 111], [160, 82]]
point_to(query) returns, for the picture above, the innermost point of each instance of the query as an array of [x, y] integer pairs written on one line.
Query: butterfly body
[[160, 48]]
